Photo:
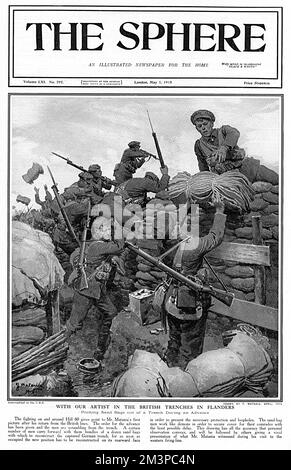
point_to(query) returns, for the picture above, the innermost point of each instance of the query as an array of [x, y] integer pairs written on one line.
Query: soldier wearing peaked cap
[[100, 182], [217, 150], [132, 158], [133, 144], [100, 253], [134, 190], [202, 114]]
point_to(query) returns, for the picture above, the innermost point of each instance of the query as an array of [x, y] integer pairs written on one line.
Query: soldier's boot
[[102, 346], [99, 354], [171, 356]]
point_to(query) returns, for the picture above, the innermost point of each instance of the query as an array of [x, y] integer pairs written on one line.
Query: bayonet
[[62, 209], [156, 143]]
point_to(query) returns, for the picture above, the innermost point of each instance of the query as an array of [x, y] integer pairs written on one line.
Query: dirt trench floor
[[127, 335]]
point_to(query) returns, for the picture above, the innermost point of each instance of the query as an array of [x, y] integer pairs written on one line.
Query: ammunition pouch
[[101, 272], [187, 298], [236, 154]]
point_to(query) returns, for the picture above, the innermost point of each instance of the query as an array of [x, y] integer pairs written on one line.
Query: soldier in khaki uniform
[[132, 158], [100, 182], [217, 150], [187, 310], [134, 190], [99, 267]]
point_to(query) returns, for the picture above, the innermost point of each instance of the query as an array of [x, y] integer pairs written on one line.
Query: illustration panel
[[145, 247]]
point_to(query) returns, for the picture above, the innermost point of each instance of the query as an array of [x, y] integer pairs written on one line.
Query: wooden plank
[[53, 313], [259, 271], [249, 312], [56, 321], [242, 253]]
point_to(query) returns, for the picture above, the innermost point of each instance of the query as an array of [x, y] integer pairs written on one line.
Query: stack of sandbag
[[29, 316], [35, 268], [232, 187], [227, 372], [159, 223], [28, 326], [160, 218], [147, 275], [267, 205], [243, 364]]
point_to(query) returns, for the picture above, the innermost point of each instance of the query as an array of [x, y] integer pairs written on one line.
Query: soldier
[[99, 270], [133, 158], [46, 204], [134, 190], [45, 218], [217, 150], [186, 309], [99, 182], [84, 188], [62, 238]]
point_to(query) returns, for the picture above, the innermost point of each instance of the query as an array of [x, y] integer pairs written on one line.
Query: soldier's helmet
[[101, 228], [133, 143], [86, 176], [202, 114], [151, 175], [94, 167]]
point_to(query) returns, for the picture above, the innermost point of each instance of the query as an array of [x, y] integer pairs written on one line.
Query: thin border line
[[208, 9], [280, 283]]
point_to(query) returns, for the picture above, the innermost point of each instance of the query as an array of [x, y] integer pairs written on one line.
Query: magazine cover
[[143, 258]]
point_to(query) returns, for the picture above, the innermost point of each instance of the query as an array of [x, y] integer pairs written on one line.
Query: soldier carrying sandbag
[[217, 150], [134, 190]]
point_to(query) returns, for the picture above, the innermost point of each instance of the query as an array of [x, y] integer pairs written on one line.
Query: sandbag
[[145, 276], [232, 187], [211, 368], [143, 267], [262, 186], [239, 271], [142, 377], [33, 173], [23, 199], [26, 335], [29, 317], [245, 284], [243, 364], [179, 383], [158, 274], [271, 198]]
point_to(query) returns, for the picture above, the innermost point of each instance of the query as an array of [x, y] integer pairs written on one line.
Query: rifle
[[81, 268], [62, 209], [81, 168], [225, 297], [148, 154], [156, 143]]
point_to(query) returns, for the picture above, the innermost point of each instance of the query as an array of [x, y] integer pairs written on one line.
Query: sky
[[92, 129]]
